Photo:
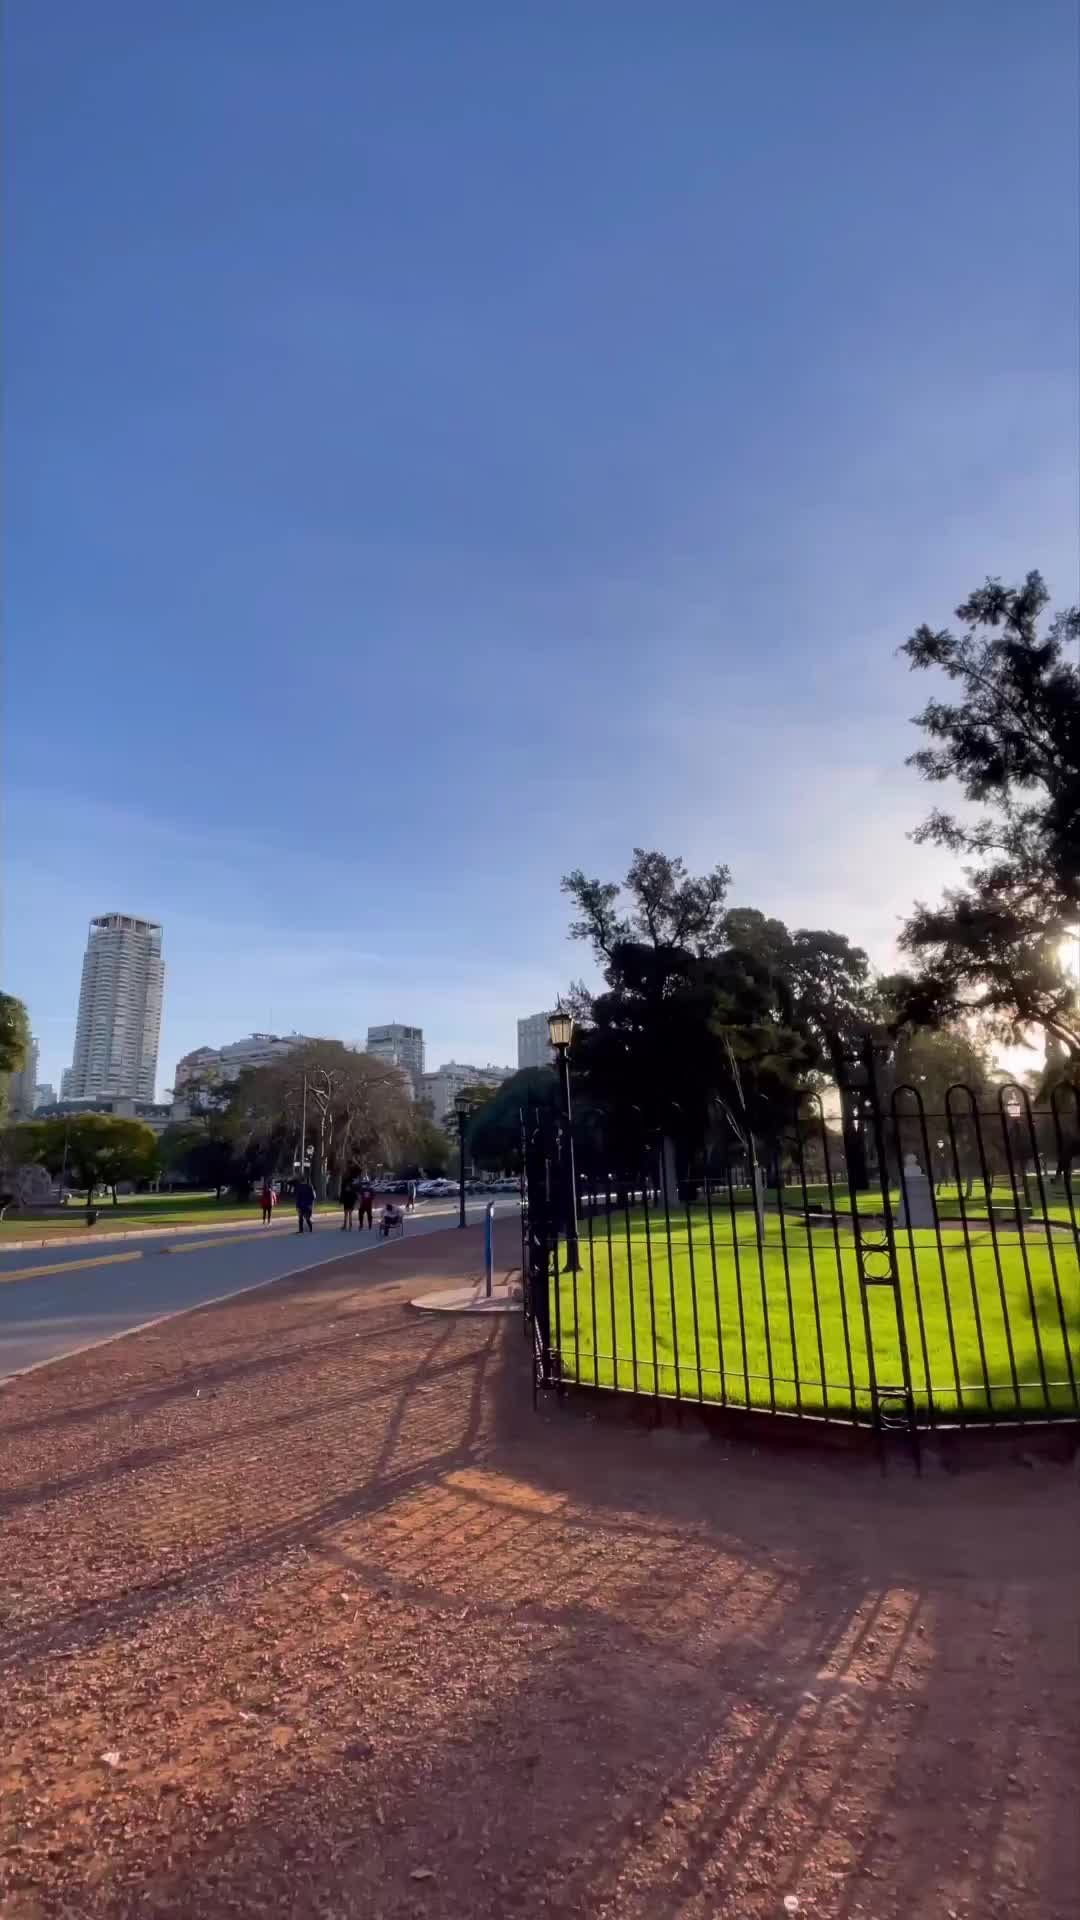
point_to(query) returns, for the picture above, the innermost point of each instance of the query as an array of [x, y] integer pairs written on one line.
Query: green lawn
[[137, 1210], [727, 1321], [948, 1199]]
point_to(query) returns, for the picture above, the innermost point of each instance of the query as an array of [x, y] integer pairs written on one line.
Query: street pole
[[303, 1131], [569, 1178], [462, 1123]]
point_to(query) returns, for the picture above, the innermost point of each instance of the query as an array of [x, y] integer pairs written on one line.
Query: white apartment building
[[116, 1036], [401, 1047], [442, 1088], [534, 1047], [22, 1086], [224, 1064]]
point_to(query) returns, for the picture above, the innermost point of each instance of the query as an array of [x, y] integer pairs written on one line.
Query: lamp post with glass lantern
[[462, 1110], [560, 1034]]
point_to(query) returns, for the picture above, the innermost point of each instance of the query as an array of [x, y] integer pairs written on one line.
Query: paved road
[[86, 1294]]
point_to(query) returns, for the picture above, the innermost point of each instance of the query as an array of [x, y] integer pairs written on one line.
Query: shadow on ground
[[365, 1635]]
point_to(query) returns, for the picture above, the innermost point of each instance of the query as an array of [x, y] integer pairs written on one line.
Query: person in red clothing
[[267, 1201], [366, 1208]]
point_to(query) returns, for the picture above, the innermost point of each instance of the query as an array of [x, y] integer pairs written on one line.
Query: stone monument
[[916, 1198]]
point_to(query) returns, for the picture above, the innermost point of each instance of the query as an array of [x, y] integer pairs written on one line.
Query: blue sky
[[449, 444]]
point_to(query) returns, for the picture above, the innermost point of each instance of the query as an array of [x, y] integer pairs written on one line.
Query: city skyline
[[52, 1071]]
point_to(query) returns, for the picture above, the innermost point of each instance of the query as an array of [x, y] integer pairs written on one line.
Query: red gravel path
[[362, 1636]]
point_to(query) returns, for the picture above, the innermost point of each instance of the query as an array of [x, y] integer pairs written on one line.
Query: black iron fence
[[927, 1275]]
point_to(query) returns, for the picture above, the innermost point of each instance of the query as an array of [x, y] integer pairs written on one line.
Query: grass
[[727, 1321], [138, 1210], [948, 1199]]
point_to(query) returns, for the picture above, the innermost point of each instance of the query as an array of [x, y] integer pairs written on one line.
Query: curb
[[91, 1239]]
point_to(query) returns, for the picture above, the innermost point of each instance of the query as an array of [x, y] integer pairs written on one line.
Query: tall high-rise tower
[[400, 1047], [116, 1040]]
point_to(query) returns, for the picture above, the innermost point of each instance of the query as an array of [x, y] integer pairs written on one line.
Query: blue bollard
[[489, 1246]]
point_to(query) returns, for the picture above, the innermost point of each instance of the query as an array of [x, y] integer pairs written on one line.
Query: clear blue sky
[[447, 443]]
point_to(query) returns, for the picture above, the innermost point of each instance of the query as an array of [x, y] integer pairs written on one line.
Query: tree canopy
[[494, 1137], [14, 1042], [690, 1027], [354, 1110], [96, 1149], [1011, 742]]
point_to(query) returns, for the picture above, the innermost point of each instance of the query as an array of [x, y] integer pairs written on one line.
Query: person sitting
[[392, 1218]]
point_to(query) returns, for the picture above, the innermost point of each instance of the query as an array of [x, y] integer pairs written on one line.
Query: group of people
[[357, 1199], [357, 1196]]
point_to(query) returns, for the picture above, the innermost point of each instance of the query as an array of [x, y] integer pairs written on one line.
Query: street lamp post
[[560, 1034], [462, 1110]]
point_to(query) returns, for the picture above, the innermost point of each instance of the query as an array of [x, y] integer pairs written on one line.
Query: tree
[[1012, 743], [829, 995], [129, 1151], [351, 1108], [494, 1138], [689, 1028], [98, 1149], [670, 912], [14, 1042], [427, 1149]]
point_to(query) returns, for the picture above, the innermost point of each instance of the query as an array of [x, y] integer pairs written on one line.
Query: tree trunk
[[112, 1190], [854, 1149], [669, 1173]]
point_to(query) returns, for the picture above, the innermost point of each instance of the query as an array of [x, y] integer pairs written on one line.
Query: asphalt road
[[92, 1292]]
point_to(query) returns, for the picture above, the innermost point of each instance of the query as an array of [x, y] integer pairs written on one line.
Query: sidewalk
[[73, 1236], [303, 1611]]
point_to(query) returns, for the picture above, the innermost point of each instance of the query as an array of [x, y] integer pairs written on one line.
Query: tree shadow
[[582, 1672]]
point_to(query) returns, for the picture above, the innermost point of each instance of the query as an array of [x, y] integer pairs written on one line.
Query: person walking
[[304, 1195], [410, 1196], [367, 1205], [267, 1201], [349, 1192]]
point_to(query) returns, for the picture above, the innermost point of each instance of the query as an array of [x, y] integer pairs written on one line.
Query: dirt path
[[303, 1612]]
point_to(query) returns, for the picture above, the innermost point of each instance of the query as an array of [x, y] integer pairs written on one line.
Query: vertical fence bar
[[992, 1225], [881, 1151], [1051, 1251], [670, 1268], [590, 1200], [759, 1242], [976, 1308], [693, 1280], [738, 1284], [800, 1163], [556, 1213], [1010, 1164], [830, 1192], [864, 1299], [652, 1287], [628, 1189], [611, 1283], [793, 1336], [715, 1283], [920, 1115], [898, 1119], [1064, 1157]]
